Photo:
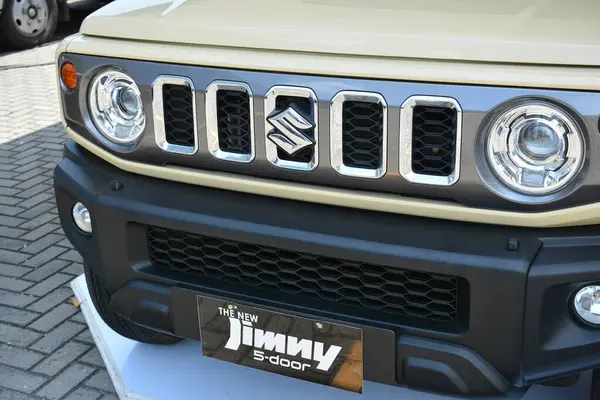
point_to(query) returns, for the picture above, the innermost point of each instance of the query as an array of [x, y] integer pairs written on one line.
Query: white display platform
[[180, 372]]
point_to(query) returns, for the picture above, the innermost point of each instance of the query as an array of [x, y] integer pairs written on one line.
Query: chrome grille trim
[[406, 140], [336, 134], [270, 107], [160, 135], [212, 122]]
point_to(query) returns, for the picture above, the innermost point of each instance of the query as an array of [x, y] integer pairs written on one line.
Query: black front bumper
[[515, 326]]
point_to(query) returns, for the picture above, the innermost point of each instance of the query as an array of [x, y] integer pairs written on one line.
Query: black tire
[[11, 37], [101, 299], [595, 395]]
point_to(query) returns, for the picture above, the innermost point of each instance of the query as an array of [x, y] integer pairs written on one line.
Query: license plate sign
[[312, 350]]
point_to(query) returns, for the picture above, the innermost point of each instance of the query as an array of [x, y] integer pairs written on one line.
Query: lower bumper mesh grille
[[369, 286]]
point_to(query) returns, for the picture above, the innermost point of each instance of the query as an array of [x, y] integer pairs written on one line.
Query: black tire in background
[[595, 385], [101, 299], [12, 37]]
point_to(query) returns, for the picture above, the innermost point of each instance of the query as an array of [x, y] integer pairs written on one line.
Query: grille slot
[[230, 121], [368, 286], [434, 140], [362, 134], [179, 116], [304, 106], [174, 108], [358, 134], [430, 136], [233, 118]]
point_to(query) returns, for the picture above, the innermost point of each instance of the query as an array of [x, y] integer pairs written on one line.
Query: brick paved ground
[[46, 351]]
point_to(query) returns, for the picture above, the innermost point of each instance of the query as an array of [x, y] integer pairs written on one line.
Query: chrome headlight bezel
[[515, 169], [107, 116]]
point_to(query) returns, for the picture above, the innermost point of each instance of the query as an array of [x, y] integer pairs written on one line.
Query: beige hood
[[515, 31]]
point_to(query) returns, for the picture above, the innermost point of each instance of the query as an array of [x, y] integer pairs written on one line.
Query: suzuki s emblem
[[289, 134]]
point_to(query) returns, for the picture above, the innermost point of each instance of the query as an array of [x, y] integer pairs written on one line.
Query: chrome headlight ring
[[116, 107], [535, 149]]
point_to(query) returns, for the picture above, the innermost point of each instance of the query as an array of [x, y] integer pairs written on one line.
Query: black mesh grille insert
[[362, 134], [369, 286], [179, 115], [434, 140], [233, 119], [304, 106]]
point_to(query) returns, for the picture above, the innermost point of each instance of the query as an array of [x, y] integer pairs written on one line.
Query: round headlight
[[539, 141], [116, 107], [535, 149]]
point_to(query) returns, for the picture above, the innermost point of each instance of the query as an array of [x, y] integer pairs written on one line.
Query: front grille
[[374, 287], [233, 121], [434, 140], [304, 106], [178, 115], [362, 134]]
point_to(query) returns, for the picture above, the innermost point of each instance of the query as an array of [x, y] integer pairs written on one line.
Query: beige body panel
[[513, 31], [580, 78]]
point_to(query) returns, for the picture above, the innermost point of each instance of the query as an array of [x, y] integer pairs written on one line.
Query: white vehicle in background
[[28, 23]]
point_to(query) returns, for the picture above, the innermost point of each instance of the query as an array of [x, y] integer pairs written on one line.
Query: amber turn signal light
[[68, 75]]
